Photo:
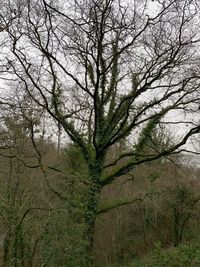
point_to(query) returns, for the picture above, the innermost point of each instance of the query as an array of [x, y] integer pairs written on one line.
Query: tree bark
[[93, 200]]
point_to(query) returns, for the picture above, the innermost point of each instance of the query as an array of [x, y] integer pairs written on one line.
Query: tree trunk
[[93, 199]]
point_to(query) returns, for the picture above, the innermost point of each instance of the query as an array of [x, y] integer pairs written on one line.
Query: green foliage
[[183, 256], [17, 242], [91, 73], [56, 96], [147, 132], [62, 242], [182, 203], [75, 162]]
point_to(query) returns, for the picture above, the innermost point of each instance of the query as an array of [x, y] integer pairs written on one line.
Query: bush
[[183, 256]]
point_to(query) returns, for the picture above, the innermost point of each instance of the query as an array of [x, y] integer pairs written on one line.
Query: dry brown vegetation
[[41, 212], [133, 230]]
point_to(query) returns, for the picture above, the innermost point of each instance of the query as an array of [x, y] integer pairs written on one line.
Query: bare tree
[[107, 71]]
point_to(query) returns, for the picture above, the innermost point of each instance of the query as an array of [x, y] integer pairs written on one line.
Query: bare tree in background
[[106, 71]]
